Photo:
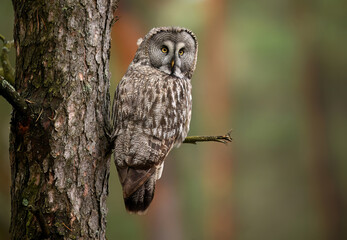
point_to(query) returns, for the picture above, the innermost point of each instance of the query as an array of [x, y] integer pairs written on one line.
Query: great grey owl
[[152, 110]]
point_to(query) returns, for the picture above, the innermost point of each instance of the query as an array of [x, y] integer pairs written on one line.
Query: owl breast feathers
[[152, 111]]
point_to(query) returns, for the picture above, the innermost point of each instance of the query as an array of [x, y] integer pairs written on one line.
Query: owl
[[152, 111]]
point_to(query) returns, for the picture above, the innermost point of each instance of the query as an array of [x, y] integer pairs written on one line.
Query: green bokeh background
[[273, 71]]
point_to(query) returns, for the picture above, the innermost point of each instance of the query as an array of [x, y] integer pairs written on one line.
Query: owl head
[[172, 50]]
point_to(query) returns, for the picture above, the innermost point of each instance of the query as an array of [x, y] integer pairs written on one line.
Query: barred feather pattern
[[151, 114]]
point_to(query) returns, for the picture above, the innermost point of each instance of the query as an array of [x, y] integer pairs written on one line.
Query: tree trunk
[[322, 163], [58, 152], [219, 214]]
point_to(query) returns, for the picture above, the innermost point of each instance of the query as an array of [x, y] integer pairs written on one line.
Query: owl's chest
[[168, 92], [159, 106]]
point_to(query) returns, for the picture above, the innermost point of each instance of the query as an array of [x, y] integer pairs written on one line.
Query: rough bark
[[59, 168]]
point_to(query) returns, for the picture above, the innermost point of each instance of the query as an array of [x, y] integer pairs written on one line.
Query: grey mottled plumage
[[152, 110]]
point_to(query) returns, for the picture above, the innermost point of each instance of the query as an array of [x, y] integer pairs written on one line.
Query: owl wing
[[144, 136]]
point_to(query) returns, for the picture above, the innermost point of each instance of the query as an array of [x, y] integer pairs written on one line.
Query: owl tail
[[139, 201], [138, 188]]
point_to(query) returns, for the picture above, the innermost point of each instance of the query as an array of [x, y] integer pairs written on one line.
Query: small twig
[[67, 227], [28, 101], [3, 39], [12, 96], [39, 115], [222, 139], [114, 20]]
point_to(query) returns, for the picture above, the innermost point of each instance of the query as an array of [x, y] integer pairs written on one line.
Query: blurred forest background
[[273, 71]]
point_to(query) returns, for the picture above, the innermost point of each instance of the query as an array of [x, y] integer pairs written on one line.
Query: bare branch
[[12, 96], [222, 139]]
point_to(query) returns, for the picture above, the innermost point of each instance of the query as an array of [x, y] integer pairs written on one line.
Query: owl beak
[[172, 63]]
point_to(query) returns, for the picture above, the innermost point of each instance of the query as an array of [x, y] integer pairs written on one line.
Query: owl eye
[[181, 52], [164, 49]]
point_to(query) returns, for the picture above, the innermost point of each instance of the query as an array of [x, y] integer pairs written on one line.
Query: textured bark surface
[[58, 164]]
